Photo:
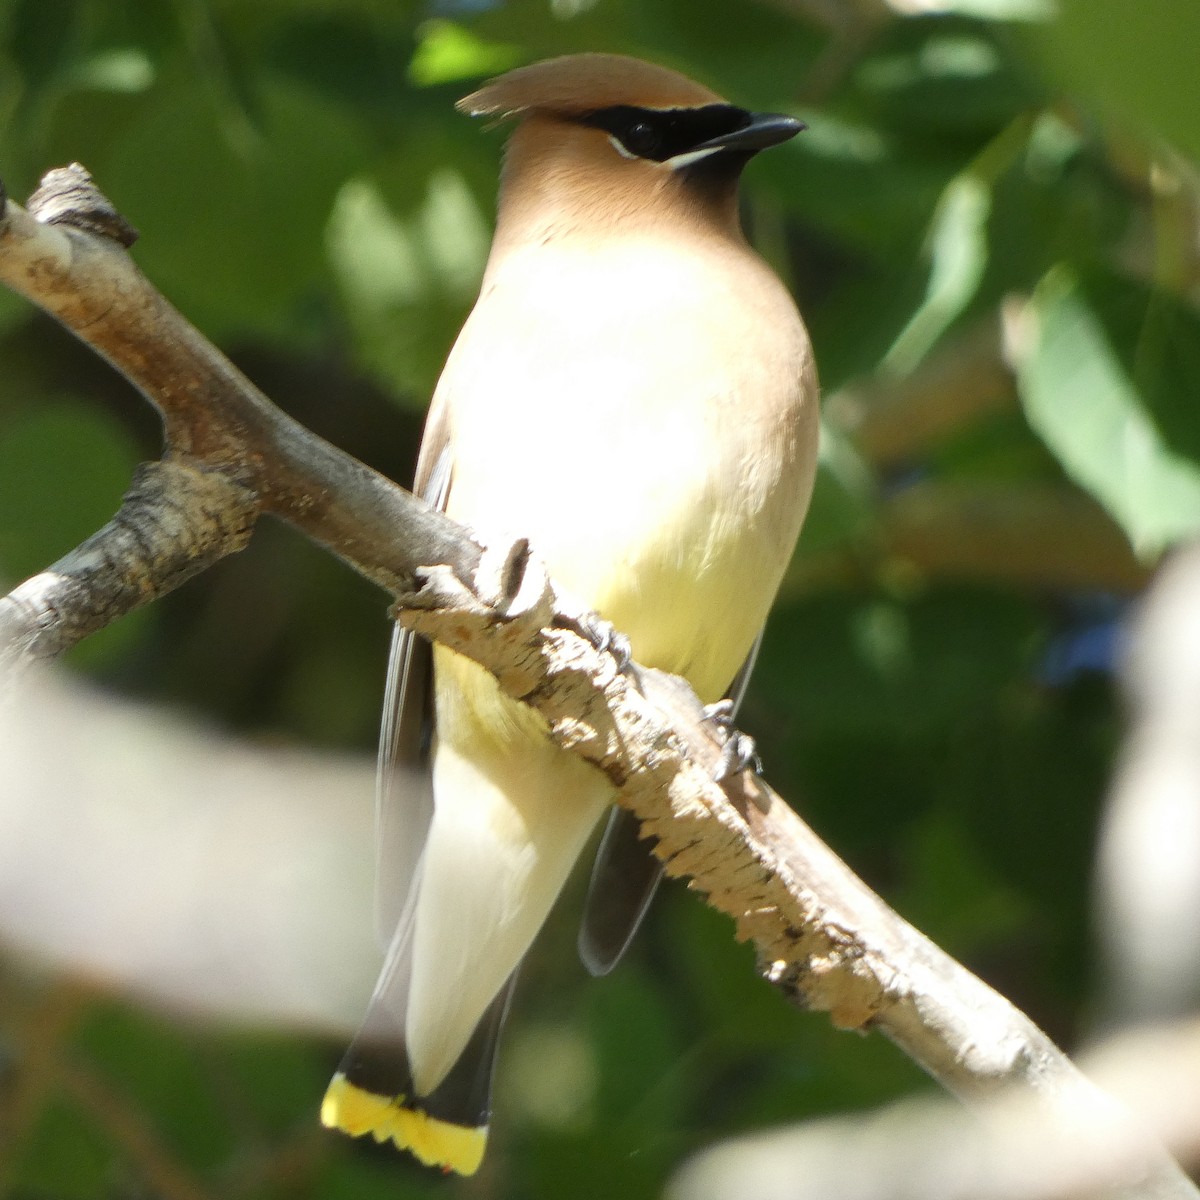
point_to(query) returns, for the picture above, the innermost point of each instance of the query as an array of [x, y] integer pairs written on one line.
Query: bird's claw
[[606, 638], [738, 750]]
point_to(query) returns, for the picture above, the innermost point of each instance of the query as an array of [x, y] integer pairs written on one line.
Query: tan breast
[[646, 416]]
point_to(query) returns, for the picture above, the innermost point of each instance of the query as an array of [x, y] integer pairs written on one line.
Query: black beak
[[762, 131]]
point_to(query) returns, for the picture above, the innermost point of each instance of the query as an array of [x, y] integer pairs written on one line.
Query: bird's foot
[[605, 637], [738, 750]]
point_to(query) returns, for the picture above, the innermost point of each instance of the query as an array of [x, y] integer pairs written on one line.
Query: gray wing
[[626, 874], [403, 787]]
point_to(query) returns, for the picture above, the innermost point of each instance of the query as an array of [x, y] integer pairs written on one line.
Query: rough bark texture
[[173, 523]]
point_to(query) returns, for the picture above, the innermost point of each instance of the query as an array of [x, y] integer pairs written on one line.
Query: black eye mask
[[659, 134]]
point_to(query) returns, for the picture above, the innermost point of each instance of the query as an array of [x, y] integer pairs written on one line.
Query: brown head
[[606, 140]]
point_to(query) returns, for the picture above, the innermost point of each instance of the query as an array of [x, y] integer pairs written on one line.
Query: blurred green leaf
[[1137, 60], [447, 52], [41, 519], [408, 279], [1032, 800], [264, 207], [628, 1162], [550, 1076], [842, 509], [44, 40], [953, 893], [1108, 381], [121, 69], [276, 1081], [543, 28], [356, 1175], [348, 57], [14, 310], [861, 700], [638, 1045], [637, 1105], [945, 73], [68, 1156], [999, 10], [1051, 201], [42, 516], [753, 1058], [753, 53], [155, 1066], [875, 664], [729, 1010], [830, 175], [958, 256]]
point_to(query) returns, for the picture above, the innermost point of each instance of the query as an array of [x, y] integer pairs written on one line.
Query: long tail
[[372, 1091]]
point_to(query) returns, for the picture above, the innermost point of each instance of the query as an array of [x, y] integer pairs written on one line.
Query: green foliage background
[[934, 692]]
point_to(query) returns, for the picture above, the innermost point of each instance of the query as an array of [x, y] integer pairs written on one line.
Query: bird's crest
[[577, 83]]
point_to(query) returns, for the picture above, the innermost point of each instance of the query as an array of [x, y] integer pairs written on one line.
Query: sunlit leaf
[[126, 69], [1108, 381], [987, 10], [447, 52], [408, 278], [958, 256]]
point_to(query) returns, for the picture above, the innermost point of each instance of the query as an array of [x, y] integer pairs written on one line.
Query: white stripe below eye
[[619, 148], [688, 157], [673, 164]]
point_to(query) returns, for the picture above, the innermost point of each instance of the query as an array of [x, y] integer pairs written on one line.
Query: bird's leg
[[738, 750]]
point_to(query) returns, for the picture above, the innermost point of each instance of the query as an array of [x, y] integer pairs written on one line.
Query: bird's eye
[[641, 138]]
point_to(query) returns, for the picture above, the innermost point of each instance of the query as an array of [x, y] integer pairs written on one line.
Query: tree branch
[[932, 1150], [174, 522], [67, 255], [823, 937]]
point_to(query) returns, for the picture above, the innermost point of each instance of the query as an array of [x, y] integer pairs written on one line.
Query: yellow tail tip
[[436, 1143]]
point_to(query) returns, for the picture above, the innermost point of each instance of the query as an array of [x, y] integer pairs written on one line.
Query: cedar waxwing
[[635, 393]]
